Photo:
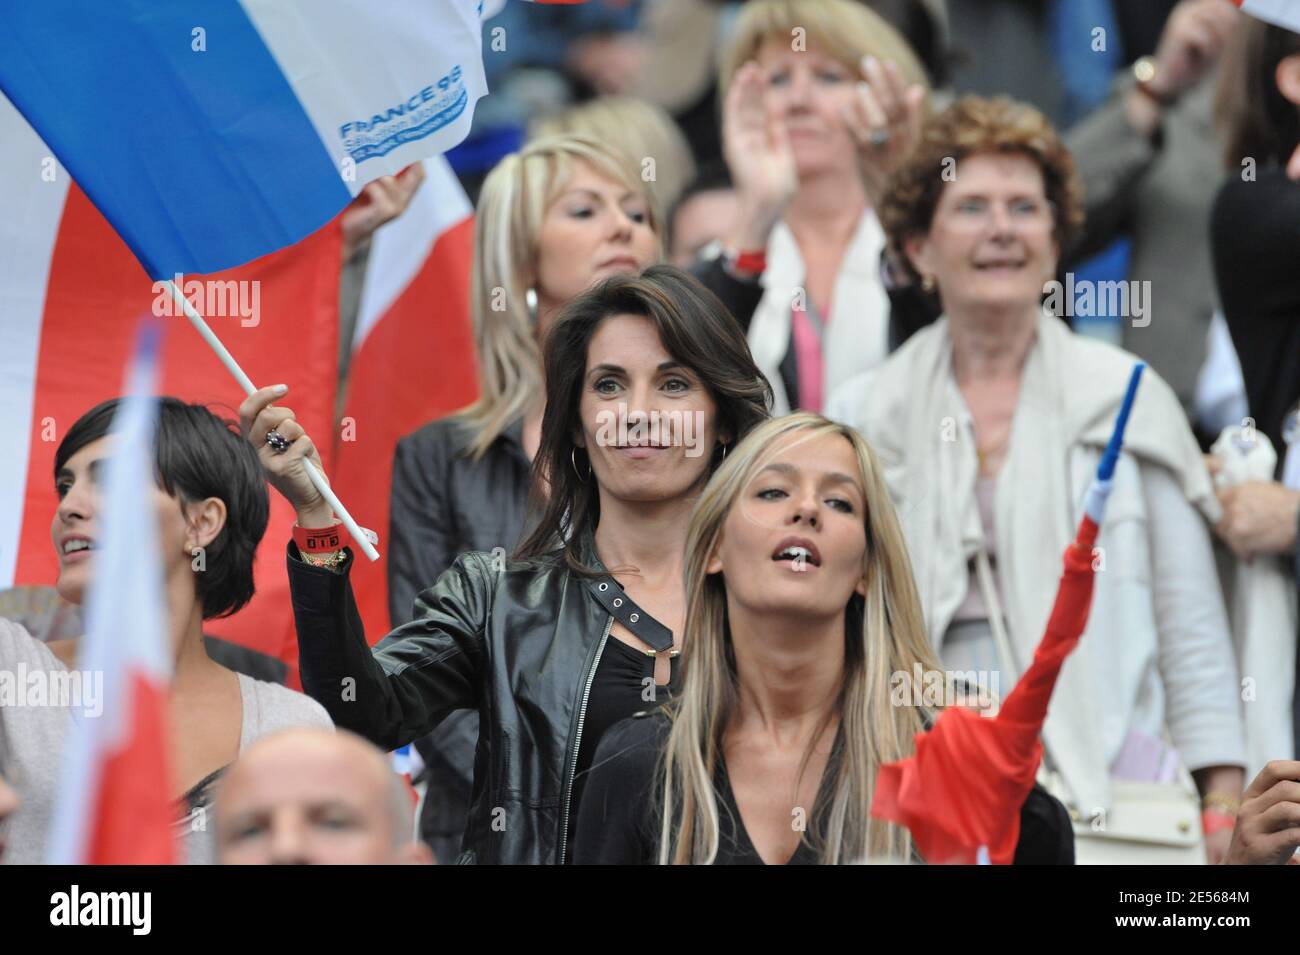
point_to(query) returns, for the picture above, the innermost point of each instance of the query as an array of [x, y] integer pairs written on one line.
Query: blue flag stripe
[[201, 160]]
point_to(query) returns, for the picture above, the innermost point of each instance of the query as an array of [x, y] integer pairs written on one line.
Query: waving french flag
[[1282, 13], [114, 804], [211, 132]]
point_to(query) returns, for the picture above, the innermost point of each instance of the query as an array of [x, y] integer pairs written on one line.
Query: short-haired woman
[[210, 497]]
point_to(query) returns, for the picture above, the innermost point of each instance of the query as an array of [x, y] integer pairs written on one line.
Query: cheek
[[565, 261]]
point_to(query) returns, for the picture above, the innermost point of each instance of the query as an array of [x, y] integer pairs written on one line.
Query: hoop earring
[[724, 453], [572, 460], [530, 303]]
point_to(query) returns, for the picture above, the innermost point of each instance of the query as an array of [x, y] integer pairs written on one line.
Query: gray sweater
[[33, 730]]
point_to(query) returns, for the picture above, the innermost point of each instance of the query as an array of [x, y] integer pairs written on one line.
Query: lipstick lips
[[794, 548]]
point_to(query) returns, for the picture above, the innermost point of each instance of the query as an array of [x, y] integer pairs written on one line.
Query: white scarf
[[1070, 391], [856, 333]]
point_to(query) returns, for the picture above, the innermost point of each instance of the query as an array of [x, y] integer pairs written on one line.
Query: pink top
[[808, 358]]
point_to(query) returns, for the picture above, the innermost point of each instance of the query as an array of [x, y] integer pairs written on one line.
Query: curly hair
[[970, 126]]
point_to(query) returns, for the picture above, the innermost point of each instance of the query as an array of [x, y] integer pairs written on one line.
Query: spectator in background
[[989, 425], [1256, 237], [684, 39], [552, 220], [311, 797], [1046, 52], [539, 58], [810, 145], [1149, 157], [704, 214], [642, 132]]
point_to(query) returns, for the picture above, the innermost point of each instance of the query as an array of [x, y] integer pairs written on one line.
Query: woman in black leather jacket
[[648, 379], [554, 219]]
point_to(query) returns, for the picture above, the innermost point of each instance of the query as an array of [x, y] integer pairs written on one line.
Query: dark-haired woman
[[211, 500], [648, 378]]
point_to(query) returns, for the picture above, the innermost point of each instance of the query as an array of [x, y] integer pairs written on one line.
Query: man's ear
[[204, 521], [1288, 78]]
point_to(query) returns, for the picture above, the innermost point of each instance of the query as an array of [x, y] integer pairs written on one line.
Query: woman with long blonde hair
[[802, 625]]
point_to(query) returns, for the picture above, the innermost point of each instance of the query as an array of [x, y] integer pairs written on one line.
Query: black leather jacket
[[516, 640], [445, 503]]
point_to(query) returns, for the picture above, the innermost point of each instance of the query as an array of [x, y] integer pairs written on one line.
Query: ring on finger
[[277, 442], [878, 137]]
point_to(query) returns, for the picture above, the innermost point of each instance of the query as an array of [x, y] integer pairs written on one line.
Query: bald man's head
[[314, 796]]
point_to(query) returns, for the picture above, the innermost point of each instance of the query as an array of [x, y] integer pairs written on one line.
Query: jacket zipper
[[577, 740]]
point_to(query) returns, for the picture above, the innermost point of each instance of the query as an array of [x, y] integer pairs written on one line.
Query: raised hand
[[285, 469], [758, 154], [380, 202], [885, 118]]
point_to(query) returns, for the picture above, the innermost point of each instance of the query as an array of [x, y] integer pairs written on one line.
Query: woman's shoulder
[[17, 645], [270, 707], [441, 438]]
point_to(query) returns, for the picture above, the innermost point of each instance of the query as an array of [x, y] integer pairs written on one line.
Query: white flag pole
[[246, 383]]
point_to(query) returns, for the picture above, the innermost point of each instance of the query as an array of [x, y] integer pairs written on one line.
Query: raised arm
[[416, 675]]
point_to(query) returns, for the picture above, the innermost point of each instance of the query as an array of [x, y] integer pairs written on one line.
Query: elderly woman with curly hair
[[989, 424]]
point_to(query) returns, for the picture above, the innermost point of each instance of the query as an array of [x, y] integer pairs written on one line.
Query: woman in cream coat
[[989, 425]]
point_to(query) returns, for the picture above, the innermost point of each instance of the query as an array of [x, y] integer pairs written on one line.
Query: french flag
[[1282, 13], [412, 357], [114, 803], [71, 296], [212, 132]]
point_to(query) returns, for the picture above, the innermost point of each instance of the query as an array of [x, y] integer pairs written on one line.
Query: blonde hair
[[511, 207], [846, 30], [639, 130], [884, 634]]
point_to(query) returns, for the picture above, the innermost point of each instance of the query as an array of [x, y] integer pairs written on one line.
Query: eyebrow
[[607, 368], [592, 193], [94, 468], [834, 477]]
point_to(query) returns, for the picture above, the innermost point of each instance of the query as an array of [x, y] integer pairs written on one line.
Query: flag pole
[[246, 383]]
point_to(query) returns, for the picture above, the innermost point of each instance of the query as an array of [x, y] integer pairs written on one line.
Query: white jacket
[[1156, 652]]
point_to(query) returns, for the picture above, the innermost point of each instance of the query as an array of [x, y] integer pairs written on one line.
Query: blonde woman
[[801, 615], [822, 100], [642, 132], [552, 220]]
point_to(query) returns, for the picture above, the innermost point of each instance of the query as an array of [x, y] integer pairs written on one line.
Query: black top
[[618, 690], [1255, 235], [618, 819]]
